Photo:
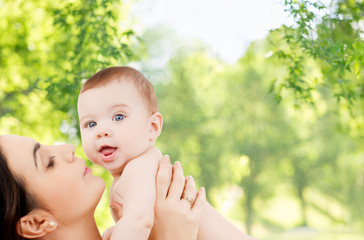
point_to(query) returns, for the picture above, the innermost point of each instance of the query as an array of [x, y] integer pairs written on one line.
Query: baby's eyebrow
[[36, 147], [82, 119], [119, 105]]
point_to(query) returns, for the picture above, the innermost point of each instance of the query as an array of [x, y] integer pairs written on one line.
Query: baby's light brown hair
[[124, 73]]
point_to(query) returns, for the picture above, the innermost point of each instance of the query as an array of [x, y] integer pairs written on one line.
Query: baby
[[120, 122]]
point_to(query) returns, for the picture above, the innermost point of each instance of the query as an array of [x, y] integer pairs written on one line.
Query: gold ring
[[188, 198]]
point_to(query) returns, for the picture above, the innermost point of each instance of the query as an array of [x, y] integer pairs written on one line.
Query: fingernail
[[189, 177], [177, 163], [166, 159], [203, 189]]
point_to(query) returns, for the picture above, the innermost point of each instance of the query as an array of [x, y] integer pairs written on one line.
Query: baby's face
[[115, 124]]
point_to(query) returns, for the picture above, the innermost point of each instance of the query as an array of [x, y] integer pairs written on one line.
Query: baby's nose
[[103, 133]]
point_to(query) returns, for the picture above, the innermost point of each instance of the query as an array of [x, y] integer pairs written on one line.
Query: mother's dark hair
[[15, 201]]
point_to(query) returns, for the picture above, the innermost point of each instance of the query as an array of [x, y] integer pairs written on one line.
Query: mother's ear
[[156, 124], [36, 224]]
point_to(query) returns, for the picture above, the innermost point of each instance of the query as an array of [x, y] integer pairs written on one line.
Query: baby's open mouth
[[107, 153], [107, 150]]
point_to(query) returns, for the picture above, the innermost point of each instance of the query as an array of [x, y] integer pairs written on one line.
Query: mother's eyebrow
[[36, 147]]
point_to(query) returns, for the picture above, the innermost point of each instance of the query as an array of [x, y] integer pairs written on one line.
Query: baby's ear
[[36, 224], [156, 123]]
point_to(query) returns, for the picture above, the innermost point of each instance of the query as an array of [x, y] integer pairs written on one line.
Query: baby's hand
[[116, 211], [116, 202]]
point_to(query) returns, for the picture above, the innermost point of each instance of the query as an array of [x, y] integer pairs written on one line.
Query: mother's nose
[[68, 152]]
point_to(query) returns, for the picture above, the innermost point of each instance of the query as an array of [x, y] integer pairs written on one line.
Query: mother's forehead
[[14, 145], [19, 151], [15, 139]]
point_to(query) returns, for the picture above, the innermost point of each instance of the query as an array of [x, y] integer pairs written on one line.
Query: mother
[[49, 193]]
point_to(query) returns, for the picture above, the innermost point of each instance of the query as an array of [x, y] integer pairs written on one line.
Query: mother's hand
[[177, 214]]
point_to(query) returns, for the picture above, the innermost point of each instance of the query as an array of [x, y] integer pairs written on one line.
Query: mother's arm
[[213, 226]]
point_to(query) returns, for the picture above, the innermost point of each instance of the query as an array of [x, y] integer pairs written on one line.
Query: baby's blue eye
[[118, 117], [91, 124]]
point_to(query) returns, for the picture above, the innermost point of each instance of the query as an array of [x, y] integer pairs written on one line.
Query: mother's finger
[[163, 178], [189, 192], [178, 181], [199, 203]]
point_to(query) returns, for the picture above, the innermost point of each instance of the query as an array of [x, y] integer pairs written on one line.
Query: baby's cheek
[[87, 146]]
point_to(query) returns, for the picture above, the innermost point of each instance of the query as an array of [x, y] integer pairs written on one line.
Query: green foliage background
[[276, 138]]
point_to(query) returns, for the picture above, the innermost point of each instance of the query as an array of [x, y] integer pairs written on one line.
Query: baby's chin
[[112, 168], [115, 168]]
